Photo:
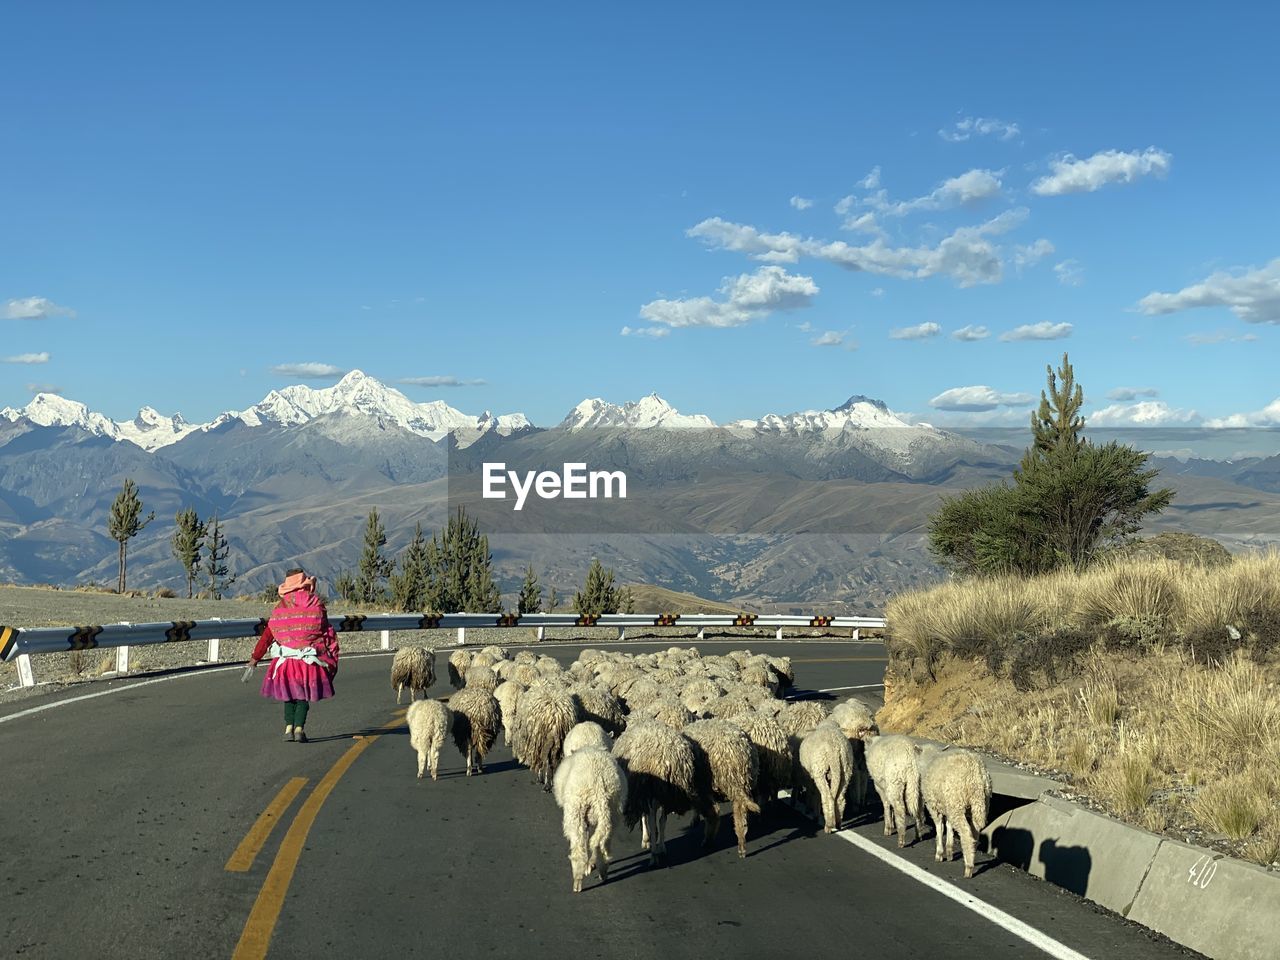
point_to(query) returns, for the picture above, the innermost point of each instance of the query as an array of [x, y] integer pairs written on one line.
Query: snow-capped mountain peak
[[644, 414]]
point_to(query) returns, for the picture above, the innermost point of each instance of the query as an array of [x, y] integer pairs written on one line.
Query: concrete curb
[[1224, 908]]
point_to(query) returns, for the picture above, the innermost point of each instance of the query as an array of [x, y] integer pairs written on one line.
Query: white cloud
[[976, 398], [804, 327], [1069, 273], [829, 339], [967, 255], [1044, 330], [1071, 175], [878, 292], [801, 203], [1028, 255], [655, 332], [1147, 413], [921, 331], [747, 297], [34, 308], [1132, 393], [27, 358], [872, 180], [1268, 416], [982, 126], [968, 188], [309, 371], [1253, 295], [970, 333], [34, 388], [1221, 336], [444, 381]]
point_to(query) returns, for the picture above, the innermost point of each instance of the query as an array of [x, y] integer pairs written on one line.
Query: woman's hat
[[296, 581]]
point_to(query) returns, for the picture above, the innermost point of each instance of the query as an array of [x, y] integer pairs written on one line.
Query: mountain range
[[824, 507]]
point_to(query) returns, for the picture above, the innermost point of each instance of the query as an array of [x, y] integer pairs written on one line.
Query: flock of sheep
[[639, 737]]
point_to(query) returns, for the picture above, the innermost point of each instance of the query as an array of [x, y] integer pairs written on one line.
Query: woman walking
[[304, 648]]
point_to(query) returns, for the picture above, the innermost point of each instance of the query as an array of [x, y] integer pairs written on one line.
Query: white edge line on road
[[1020, 929], [860, 686], [1041, 941]]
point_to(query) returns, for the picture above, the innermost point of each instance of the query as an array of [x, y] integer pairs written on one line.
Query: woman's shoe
[[301, 734], [288, 732]]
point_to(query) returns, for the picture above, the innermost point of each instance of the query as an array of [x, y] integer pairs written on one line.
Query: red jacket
[[300, 620]]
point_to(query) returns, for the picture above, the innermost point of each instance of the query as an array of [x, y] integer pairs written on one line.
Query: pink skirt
[[296, 680]]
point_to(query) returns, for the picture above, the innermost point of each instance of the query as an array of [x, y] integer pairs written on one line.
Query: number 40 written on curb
[[1202, 872]]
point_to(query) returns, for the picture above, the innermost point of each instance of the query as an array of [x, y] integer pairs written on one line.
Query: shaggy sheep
[[734, 768], [827, 760], [893, 764], [480, 676], [786, 675], [526, 657], [635, 694], [549, 667], [666, 710], [544, 716], [956, 789], [662, 779], [459, 660], [508, 696], [697, 693], [415, 668], [476, 718], [525, 674], [429, 724], [591, 789], [598, 704], [583, 735], [856, 723], [773, 748], [801, 716]]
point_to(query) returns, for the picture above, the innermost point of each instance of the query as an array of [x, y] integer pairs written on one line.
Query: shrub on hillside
[[1176, 545]]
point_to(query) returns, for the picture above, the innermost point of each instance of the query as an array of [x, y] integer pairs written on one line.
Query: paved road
[[120, 814]]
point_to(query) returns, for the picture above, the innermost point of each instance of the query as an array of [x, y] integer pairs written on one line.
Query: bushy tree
[[553, 601], [530, 600], [598, 594], [460, 569], [344, 585], [188, 537], [1069, 499], [374, 567], [126, 522], [409, 586]]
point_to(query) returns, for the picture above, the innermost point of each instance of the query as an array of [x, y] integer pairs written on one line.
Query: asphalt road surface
[[129, 820]]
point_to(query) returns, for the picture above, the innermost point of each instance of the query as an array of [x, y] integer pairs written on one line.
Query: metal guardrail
[[20, 643]]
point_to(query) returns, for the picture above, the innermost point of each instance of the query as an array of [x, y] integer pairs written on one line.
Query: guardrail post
[[26, 676], [213, 650], [622, 633], [701, 632], [542, 634], [386, 639], [855, 635], [122, 659], [778, 635], [462, 636]]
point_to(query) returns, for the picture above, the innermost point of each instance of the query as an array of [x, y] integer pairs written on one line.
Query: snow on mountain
[[51, 410], [647, 413], [856, 413]]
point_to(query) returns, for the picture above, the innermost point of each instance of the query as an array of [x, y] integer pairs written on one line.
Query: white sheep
[[508, 694], [583, 735], [827, 760], [415, 668], [591, 789], [893, 764], [956, 788], [856, 722], [667, 710], [774, 749], [476, 719], [545, 714], [459, 661], [734, 767], [661, 779], [598, 704], [479, 675], [429, 723], [801, 716]]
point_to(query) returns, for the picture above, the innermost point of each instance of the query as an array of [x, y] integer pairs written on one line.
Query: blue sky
[[193, 199]]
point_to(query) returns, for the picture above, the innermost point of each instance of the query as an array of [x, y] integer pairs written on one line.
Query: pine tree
[[483, 595], [409, 586], [553, 601], [598, 594], [374, 567], [125, 523], [1057, 423], [215, 560], [186, 542], [460, 569], [626, 601], [345, 586], [530, 594]]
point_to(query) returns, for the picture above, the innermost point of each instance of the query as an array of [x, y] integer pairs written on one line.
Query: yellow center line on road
[[258, 834], [844, 660], [256, 936]]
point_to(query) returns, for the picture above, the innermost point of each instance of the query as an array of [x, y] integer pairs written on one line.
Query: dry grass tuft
[[1236, 806]]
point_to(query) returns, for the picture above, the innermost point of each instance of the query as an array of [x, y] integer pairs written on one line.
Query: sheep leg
[[900, 815], [840, 805], [968, 846], [740, 826], [951, 839], [435, 763], [399, 687], [422, 763], [888, 813], [644, 831], [470, 751], [939, 828]]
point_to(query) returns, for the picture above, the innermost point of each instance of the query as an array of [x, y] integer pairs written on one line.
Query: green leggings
[[295, 712]]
